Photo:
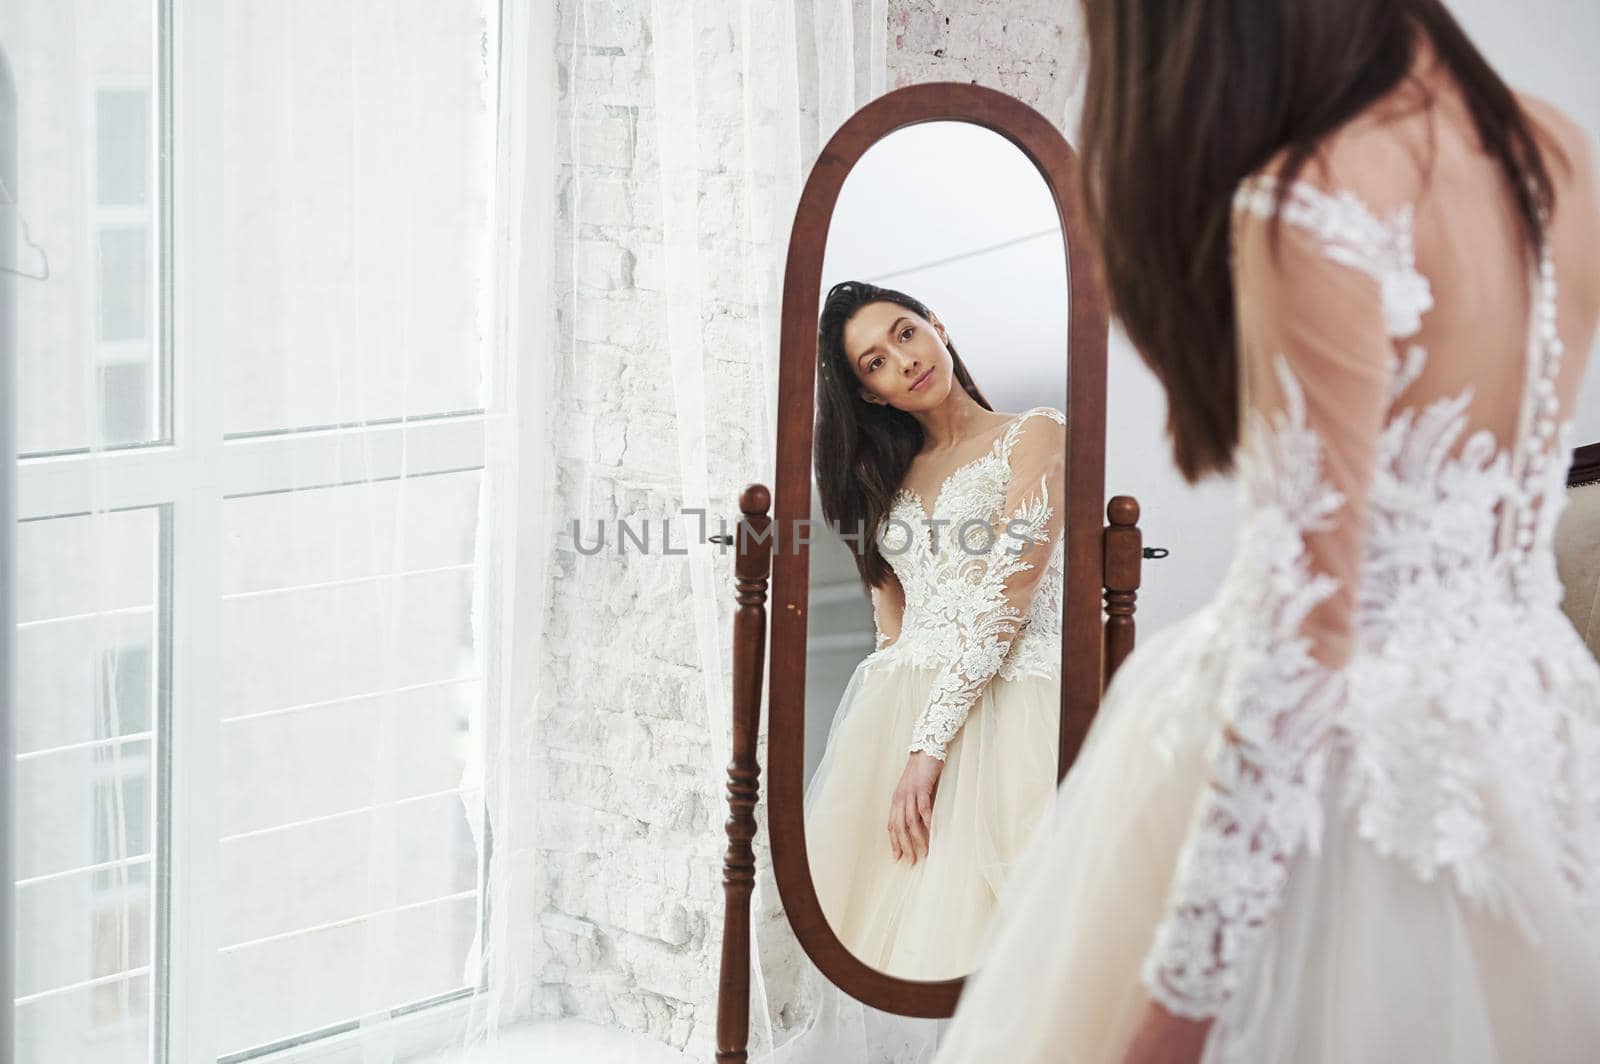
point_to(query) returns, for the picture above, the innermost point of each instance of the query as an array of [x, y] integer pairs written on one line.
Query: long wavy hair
[[1186, 98], [860, 450]]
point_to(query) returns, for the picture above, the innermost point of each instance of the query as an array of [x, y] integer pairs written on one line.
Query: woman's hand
[[911, 808], [1159, 1037]]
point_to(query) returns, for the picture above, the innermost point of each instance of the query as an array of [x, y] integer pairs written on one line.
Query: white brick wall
[[1024, 47], [631, 811]]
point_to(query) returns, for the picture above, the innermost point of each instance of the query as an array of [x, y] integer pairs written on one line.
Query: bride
[[1350, 810], [942, 754]]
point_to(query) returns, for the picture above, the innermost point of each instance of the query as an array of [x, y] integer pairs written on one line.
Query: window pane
[[103, 563], [348, 818], [87, 646], [82, 926], [124, 283], [62, 690], [104, 1024], [125, 402], [81, 807], [122, 146], [359, 168], [85, 194], [310, 981]]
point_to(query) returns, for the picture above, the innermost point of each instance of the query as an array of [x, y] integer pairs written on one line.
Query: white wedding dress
[[971, 676], [967, 669], [1350, 810]]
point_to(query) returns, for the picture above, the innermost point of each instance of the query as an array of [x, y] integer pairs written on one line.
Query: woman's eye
[[874, 363], [907, 331]]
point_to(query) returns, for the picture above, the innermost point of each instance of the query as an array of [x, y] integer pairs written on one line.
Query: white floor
[[570, 1042]]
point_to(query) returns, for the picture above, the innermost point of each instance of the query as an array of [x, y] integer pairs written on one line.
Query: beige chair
[[1578, 547]]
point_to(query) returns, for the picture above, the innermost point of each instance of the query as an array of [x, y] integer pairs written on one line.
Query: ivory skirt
[[926, 921], [1365, 962]]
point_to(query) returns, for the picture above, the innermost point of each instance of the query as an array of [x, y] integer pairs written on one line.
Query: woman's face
[[898, 357]]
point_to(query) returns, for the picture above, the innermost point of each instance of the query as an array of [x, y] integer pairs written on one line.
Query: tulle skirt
[[925, 921], [1365, 962]]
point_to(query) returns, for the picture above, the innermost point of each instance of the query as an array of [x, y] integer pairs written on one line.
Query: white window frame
[[188, 479]]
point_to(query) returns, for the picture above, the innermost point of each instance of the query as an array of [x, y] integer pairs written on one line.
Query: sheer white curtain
[[794, 73], [268, 764], [738, 97]]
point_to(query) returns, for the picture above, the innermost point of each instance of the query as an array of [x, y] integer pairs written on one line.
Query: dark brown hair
[[861, 450], [1186, 98]]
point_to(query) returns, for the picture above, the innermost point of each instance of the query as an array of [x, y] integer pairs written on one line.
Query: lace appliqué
[[1351, 234], [958, 617], [1265, 798], [1437, 726], [984, 623], [1267, 773]]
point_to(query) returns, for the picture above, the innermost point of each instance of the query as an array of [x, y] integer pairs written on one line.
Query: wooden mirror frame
[[1085, 373]]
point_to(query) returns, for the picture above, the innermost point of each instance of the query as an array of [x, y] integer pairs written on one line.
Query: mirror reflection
[[934, 634]]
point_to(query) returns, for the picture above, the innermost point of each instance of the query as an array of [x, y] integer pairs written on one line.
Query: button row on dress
[[1545, 392]]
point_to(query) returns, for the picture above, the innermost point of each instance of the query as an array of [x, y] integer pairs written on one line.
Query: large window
[[251, 618]]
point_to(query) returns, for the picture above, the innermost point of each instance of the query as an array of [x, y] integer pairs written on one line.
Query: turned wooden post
[[751, 567], [1124, 552]]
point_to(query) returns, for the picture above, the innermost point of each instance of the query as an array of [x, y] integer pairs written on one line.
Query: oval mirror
[[971, 670]]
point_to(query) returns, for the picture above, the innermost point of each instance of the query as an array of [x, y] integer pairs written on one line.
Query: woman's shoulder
[[1572, 164], [1384, 155], [1030, 433], [1031, 422], [1567, 134], [1576, 221], [1044, 411], [1365, 161]]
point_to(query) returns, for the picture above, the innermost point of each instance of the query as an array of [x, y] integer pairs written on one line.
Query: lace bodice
[[981, 574], [1393, 607]]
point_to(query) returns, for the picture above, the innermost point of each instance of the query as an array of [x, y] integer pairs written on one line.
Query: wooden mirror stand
[[1102, 556]]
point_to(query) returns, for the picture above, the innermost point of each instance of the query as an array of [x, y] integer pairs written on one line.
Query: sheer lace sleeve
[[1317, 316], [995, 572], [888, 609]]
